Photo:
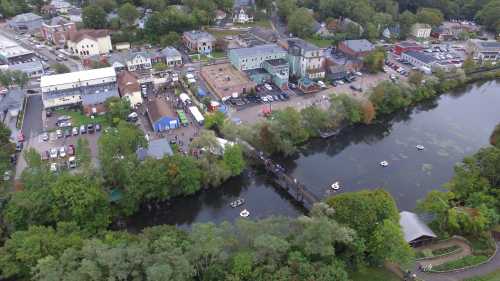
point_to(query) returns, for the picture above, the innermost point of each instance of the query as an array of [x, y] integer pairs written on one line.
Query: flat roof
[[79, 76], [258, 50], [421, 56]]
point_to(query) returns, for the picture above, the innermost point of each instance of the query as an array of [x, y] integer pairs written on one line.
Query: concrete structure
[[138, 61], [129, 88], [27, 22], [224, 80], [406, 46], [157, 149], [306, 60], [356, 48], [15, 57], [270, 57], [171, 57], [56, 31], [484, 50], [243, 14], [161, 115], [421, 31], [89, 42], [88, 87], [198, 41], [419, 59], [11, 103], [415, 231]]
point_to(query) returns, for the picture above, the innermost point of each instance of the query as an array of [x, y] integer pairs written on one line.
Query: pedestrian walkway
[[465, 251]]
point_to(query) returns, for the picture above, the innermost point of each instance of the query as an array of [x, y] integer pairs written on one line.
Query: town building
[[171, 56], [452, 30], [421, 30], [483, 50], [220, 15], [161, 115], [88, 87], [306, 60], [415, 231], [226, 81], [199, 41], [61, 6], [15, 57], [406, 46], [48, 10], [138, 61], [336, 72], [262, 63], [89, 42], [419, 59], [56, 31], [392, 32], [129, 88], [356, 48], [157, 149], [243, 14], [27, 22], [10, 104]]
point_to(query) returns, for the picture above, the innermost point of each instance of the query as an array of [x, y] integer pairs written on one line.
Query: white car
[[268, 87], [264, 99], [53, 153], [340, 82], [72, 162], [357, 73], [270, 98], [59, 134], [53, 167], [62, 152], [321, 84]]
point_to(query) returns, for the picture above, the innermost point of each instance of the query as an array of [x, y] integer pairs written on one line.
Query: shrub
[[460, 263]]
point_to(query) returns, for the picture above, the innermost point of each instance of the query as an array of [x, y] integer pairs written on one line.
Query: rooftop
[[26, 17], [77, 36], [74, 77], [423, 57], [127, 83], [57, 21], [361, 45], [421, 25], [413, 228], [304, 45], [158, 108], [277, 62], [488, 44], [157, 149], [196, 35], [260, 50], [408, 44], [170, 52]]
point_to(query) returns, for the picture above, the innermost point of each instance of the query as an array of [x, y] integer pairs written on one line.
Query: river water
[[450, 127]]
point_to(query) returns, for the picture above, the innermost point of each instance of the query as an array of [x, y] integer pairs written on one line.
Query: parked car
[[6, 175], [90, 128], [53, 167], [75, 131], [67, 133], [64, 124], [133, 117], [62, 152], [276, 98], [72, 162], [63, 118], [268, 87], [321, 84], [71, 150], [59, 134], [83, 129], [286, 96], [53, 153], [45, 155], [19, 146], [97, 127], [264, 99], [270, 98], [45, 136]]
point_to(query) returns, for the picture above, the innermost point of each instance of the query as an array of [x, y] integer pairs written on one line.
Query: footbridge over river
[[295, 189]]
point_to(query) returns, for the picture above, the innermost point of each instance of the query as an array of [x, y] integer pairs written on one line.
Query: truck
[[195, 112]]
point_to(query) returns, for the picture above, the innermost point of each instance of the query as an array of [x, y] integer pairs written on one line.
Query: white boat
[[384, 163], [335, 185], [420, 147], [245, 213], [237, 203]]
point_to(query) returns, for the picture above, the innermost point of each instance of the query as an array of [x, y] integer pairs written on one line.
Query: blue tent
[[201, 92]]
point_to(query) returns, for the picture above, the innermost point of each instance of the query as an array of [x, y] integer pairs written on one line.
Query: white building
[[138, 61], [15, 57], [242, 14], [419, 59], [306, 60], [484, 50], [87, 42], [88, 87], [421, 31], [171, 56]]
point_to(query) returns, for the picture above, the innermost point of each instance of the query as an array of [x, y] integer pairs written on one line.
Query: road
[[32, 125]]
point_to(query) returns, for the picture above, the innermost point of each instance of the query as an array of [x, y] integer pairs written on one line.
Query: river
[[450, 127]]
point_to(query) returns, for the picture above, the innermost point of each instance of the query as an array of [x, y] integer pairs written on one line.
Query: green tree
[[170, 39], [233, 159], [300, 23], [488, 15], [406, 20], [286, 7], [60, 68], [495, 136], [388, 244], [83, 153], [374, 61], [107, 5], [128, 13], [416, 78], [118, 109], [94, 17], [214, 120], [431, 16]]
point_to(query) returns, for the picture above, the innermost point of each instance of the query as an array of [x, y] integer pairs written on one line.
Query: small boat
[[384, 163], [335, 185], [420, 147], [245, 213], [237, 203]]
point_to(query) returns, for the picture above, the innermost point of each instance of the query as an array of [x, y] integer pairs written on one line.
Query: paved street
[[33, 125]]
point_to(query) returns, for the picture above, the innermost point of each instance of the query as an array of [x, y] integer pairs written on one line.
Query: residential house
[[161, 115], [220, 15], [356, 48], [336, 72], [415, 231], [75, 15], [89, 42], [261, 63], [419, 59], [392, 31], [452, 30], [483, 50], [138, 61], [129, 88], [157, 149], [27, 22], [171, 56], [306, 59], [87, 87], [421, 30], [199, 41], [406, 46], [243, 14], [56, 31]]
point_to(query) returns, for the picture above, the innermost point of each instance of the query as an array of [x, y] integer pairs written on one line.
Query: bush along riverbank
[[286, 130]]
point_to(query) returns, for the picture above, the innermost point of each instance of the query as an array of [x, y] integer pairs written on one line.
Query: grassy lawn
[[204, 58], [322, 43], [373, 274], [264, 23], [220, 34], [494, 276], [78, 118]]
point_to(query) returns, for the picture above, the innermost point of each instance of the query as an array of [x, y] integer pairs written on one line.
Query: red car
[[71, 150], [20, 136]]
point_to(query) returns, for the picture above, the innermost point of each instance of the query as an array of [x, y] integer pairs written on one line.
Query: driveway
[[484, 269]]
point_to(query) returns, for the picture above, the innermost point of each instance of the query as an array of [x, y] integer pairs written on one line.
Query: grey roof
[[12, 100], [30, 66], [196, 35], [238, 3], [57, 21], [26, 17], [302, 44], [413, 228], [170, 52], [489, 44], [361, 45], [156, 149], [423, 57], [259, 49]]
